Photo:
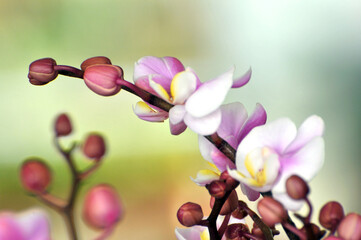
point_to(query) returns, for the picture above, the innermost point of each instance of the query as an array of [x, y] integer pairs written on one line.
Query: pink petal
[[210, 95], [234, 115], [192, 233], [287, 202], [143, 82], [167, 66], [243, 80], [143, 111], [176, 129], [35, 225], [258, 118], [251, 194], [205, 125], [9, 228], [312, 127]]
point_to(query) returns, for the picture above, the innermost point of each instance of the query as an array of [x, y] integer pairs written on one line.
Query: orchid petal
[[221, 161], [258, 118], [205, 176], [275, 135], [251, 194], [182, 86], [176, 129], [205, 147], [9, 228], [143, 82], [176, 114], [198, 82], [210, 95], [192, 233], [243, 80], [234, 115], [205, 125], [159, 90], [287, 202], [167, 66], [305, 163], [312, 127], [35, 225], [143, 111]]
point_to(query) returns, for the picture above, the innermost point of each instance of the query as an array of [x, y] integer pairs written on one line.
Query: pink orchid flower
[[196, 104], [270, 154], [29, 225], [234, 127], [201, 233]]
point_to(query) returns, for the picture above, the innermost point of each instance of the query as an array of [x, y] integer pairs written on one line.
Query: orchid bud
[[272, 211], [62, 125], [350, 227], [102, 79], [35, 176], [316, 231], [229, 206], [235, 231], [102, 207], [333, 238], [217, 189], [297, 188], [94, 146], [93, 61], [331, 214], [240, 212], [42, 71], [230, 182], [190, 214]]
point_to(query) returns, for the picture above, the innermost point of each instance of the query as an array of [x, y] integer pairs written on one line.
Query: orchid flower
[[234, 127], [29, 225], [200, 232], [270, 154], [196, 104]]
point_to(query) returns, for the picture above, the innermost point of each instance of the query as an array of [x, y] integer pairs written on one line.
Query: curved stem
[[224, 225], [69, 71], [295, 230], [250, 236]]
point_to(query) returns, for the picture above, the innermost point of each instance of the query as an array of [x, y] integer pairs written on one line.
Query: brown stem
[[85, 173], [250, 236], [295, 230], [69, 71], [224, 225]]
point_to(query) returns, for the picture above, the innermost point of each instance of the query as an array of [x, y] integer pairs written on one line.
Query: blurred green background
[[305, 57]]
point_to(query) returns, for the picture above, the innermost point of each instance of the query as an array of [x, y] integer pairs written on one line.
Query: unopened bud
[[272, 211], [230, 182], [190, 214], [240, 211], [235, 231], [93, 61], [217, 189], [35, 176], [331, 214], [42, 71], [102, 207], [229, 206], [102, 79], [333, 238], [94, 146], [62, 125], [316, 231], [350, 227], [297, 188]]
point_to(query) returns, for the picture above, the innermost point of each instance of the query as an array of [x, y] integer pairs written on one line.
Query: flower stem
[[69, 71]]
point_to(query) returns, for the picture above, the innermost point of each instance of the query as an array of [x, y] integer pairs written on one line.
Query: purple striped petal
[[258, 118], [251, 194], [145, 112], [242, 80]]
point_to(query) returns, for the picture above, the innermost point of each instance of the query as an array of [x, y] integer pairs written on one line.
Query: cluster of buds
[[98, 73], [102, 205]]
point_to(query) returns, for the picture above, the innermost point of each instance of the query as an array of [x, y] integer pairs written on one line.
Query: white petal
[[210, 95], [275, 135], [176, 114], [182, 86], [243, 80], [205, 176], [35, 225], [159, 90], [205, 147], [192, 233], [287, 202], [312, 127], [206, 125], [145, 112]]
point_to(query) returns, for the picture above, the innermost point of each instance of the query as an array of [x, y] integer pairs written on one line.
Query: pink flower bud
[[217, 189], [42, 71], [230, 182], [331, 214], [93, 61], [315, 230], [102, 207], [102, 79], [62, 125], [333, 238], [229, 206], [240, 211], [297, 188], [350, 227], [94, 146], [190, 214], [272, 211], [235, 231], [35, 176]]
